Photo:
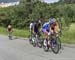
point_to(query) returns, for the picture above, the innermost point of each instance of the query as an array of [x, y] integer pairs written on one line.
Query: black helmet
[[32, 21], [36, 21]]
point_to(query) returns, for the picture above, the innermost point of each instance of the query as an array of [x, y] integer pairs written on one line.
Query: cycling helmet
[[36, 21], [52, 20]]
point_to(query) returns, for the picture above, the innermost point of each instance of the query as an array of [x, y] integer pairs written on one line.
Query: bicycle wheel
[[10, 36], [30, 40], [34, 43], [40, 43], [59, 42], [54, 46], [45, 46]]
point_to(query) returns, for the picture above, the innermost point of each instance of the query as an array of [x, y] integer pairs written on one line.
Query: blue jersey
[[46, 26]]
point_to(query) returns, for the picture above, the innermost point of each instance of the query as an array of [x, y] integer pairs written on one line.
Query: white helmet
[[51, 21]]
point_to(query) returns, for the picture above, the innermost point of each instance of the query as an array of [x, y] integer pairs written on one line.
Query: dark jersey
[[36, 28]]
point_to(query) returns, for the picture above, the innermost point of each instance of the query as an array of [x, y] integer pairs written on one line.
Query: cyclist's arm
[[57, 29], [33, 30], [51, 31]]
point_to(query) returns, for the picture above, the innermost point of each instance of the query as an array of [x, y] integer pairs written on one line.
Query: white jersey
[[31, 25]]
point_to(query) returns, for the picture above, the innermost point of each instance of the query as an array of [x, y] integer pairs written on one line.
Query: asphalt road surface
[[20, 49]]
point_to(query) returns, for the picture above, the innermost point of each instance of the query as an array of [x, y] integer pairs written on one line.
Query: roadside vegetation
[[68, 35]]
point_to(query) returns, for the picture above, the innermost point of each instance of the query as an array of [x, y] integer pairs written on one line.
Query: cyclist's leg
[[48, 38], [31, 32], [9, 33], [45, 34]]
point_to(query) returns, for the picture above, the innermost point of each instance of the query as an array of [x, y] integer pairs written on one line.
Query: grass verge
[[16, 32], [68, 36]]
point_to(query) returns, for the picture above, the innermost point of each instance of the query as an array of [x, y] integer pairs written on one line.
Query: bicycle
[[35, 40], [10, 35], [54, 43]]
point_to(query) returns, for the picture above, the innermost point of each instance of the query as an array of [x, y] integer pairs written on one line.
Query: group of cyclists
[[37, 28], [47, 28]]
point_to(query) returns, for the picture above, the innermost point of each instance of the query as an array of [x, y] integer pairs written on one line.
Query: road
[[20, 49]]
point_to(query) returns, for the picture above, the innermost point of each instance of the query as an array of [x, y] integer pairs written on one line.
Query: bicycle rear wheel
[[10, 36], [45, 46]]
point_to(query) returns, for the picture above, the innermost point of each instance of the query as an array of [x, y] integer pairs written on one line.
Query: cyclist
[[39, 27], [35, 27], [49, 27], [9, 29]]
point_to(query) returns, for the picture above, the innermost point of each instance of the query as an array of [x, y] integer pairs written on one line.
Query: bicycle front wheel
[[54, 46]]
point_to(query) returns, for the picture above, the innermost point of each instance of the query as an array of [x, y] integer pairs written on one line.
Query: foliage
[[68, 35], [20, 16]]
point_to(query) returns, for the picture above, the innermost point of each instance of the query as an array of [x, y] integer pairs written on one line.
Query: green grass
[[3, 30], [21, 33], [16, 32], [68, 35]]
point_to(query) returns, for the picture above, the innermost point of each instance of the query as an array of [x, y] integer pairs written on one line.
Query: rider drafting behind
[[35, 27]]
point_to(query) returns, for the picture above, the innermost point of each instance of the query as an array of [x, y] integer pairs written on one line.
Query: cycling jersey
[[31, 26], [53, 27], [45, 27], [36, 29]]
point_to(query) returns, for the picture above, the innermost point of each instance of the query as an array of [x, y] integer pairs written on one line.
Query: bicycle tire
[[54, 46], [40, 44], [59, 42], [46, 48]]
